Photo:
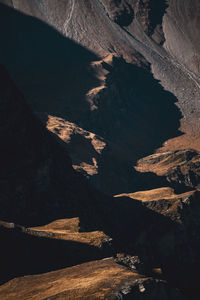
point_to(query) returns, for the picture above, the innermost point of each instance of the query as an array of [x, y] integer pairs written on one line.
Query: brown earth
[[180, 167], [156, 194], [103, 279], [69, 229]]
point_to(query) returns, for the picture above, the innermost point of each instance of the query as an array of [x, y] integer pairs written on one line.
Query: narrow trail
[[70, 15]]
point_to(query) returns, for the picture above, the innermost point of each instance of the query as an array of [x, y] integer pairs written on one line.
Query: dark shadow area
[[157, 10], [125, 16], [51, 70], [135, 114], [149, 181], [24, 254], [38, 185], [140, 113], [135, 229], [119, 12], [160, 241]]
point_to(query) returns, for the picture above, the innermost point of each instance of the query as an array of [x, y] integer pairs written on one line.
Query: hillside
[[100, 149]]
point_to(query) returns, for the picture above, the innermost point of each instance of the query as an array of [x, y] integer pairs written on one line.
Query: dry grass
[[68, 229], [93, 280], [84, 146], [156, 194], [88, 168], [65, 130], [162, 163], [190, 138], [168, 205], [160, 167]]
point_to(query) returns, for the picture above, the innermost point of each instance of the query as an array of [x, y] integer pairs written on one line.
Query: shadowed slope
[[46, 66], [136, 29], [27, 253], [37, 181], [47, 189], [134, 116], [59, 78]]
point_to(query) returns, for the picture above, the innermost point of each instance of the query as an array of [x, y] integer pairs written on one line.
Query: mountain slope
[[140, 31], [105, 77]]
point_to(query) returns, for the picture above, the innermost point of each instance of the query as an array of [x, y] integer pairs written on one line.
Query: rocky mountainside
[[85, 50], [36, 182], [38, 185], [100, 149]]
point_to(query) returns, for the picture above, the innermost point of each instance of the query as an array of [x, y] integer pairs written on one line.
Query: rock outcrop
[[102, 279], [181, 167]]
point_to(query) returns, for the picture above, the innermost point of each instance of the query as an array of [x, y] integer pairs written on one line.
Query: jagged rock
[[132, 262], [171, 243], [121, 12], [181, 167]]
